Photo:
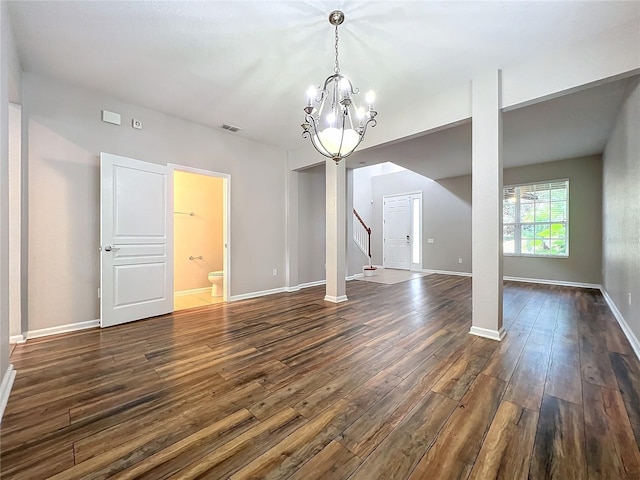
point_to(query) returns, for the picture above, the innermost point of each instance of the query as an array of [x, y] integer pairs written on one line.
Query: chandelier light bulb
[[311, 93], [370, 98], [335, 101]]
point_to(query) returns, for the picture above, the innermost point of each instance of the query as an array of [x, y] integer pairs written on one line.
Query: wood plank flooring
[[388, 385]]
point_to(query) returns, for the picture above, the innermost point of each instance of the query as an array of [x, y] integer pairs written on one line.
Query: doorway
[[402, 231], [201, 266]]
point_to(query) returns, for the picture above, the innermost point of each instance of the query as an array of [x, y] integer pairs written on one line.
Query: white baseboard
[[446, 272], [72, 327], [5, 388], [332, 299], [261, 293], [487, 333], [561, 283], [318, 283], [633, 340], [193, 291], [313, 284], [13, 339]]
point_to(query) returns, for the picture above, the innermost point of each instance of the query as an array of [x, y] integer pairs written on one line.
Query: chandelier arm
[[350, 118], [352, 89]]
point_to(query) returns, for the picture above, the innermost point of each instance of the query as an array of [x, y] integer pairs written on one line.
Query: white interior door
[[136, 237], [397, 232]]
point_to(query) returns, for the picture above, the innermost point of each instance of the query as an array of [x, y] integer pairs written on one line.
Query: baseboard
[[193, 291], [560, 283], [262, 293], [313, 284], [13, 339], [332, 299], [487, 333], [5, 388], [317, 283], [72, 327], [635, 344], [446, 272]]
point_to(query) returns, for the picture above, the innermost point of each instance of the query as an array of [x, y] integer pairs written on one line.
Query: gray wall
[[4, 190], [447, 219], [621, 204], [65, 138], [311, 224], [10, 91], [584, 264]]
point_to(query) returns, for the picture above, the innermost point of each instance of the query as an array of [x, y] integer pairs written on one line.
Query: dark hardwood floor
[[388, 385]]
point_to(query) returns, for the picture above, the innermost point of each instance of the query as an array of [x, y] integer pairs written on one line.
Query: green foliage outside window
[[535, 219]]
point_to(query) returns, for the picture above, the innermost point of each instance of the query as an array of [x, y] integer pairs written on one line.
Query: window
[[535, 219]]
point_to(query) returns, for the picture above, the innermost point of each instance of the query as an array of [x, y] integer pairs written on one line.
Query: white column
[[292, 248], [336, 256], [487, 206]]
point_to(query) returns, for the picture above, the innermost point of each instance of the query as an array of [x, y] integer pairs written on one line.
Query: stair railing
[[362, 235]]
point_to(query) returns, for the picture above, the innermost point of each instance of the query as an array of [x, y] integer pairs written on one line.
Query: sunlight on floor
[[182, 302]]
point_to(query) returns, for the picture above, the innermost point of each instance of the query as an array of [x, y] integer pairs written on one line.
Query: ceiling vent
[[231, 128]]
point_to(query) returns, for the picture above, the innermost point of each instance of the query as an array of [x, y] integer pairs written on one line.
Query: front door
[[136, 238], [397, 232], [402, 231]]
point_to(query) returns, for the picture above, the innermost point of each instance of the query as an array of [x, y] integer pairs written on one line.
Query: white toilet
[[216, 279]]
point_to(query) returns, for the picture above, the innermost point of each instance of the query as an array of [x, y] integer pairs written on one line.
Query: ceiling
[[570, 126], [249, 64]]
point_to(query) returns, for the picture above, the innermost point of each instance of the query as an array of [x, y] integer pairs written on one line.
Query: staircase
[[362, 235]]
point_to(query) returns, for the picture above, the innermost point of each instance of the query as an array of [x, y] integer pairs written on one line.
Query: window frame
[[517, 238]]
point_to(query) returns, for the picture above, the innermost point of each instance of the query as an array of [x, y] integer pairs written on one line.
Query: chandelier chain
[[336, 69]]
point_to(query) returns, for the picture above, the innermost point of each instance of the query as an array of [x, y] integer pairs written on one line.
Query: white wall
[[621, 205], [65, 138]]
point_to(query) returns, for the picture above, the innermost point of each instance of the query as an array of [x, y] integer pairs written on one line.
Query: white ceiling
[[571, 126], [250, 63]]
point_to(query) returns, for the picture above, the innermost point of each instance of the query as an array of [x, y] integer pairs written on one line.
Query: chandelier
[[333, 121]]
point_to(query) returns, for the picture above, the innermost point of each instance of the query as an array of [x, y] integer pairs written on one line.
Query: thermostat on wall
[[110, 117]]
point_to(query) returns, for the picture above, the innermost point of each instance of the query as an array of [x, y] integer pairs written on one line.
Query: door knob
[[107, 248]]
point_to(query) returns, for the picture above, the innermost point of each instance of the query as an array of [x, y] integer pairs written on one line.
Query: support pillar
[[336, 256], [486, 206]]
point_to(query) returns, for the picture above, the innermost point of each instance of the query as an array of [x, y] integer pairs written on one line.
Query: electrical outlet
[[459, 260], [275, 272], [429, 240]]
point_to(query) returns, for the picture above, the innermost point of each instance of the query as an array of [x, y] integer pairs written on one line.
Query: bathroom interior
[[198, 240]]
